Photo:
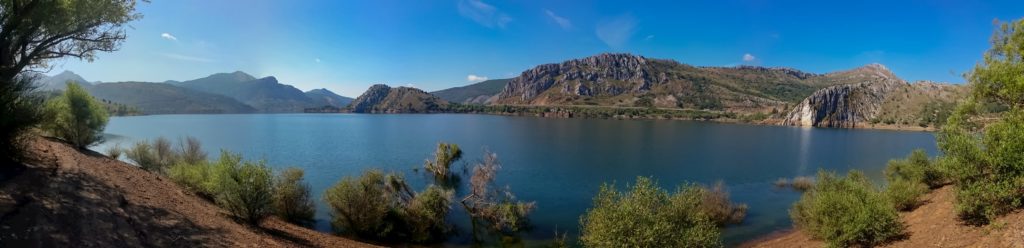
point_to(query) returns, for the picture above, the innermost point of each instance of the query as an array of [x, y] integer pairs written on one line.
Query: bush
[[496, 206], [142, 155], [444, 156], [191, 151], [915, 168], [246, 191], [18, 114], [75, 117], [115, 151], [803, 183], [846, 211], [381, 207], [648, 216], [292, 200], [905, 194], [715, 204]]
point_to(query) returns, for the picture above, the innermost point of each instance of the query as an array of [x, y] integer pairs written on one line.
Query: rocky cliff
[[866, 94], [384, 99]]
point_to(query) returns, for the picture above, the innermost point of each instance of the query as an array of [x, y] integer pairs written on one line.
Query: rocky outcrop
[[384, 99], [604, 74], [847, 105]]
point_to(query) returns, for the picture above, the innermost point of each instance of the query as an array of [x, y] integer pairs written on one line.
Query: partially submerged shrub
[[247, 191], [715, 204], [846, 211], [75, 117], [648, 216], [425, 214], [496, 206], [444, 156], [292, 201], [781, 182], [803, 183]]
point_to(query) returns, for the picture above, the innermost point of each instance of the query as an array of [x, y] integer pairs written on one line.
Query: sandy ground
[[68, 198], [933, 224]]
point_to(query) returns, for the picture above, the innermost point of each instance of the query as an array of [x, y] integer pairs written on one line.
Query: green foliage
[[905, 194], [247, 191], [115, 151], [846, 211], [648, 216], [142, 155], [1000, 77], [714, 202], [444, 156], [292, 201], [381, 207], [75, 117], [161, 154], [20, 112], [916, 168]]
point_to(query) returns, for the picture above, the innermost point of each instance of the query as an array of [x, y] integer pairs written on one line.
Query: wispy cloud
[[483, 13], [475, 78], [186, 57], [649, 37], [317, 60], [617, 31], [748, 57], [561, 21], [168, 36]]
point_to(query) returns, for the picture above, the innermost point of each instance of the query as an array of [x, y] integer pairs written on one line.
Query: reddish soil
[[70, 198], [933, 224]]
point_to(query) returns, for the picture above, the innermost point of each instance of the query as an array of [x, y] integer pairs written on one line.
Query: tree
[[19, 111], [33, 32], [445, 155], [76, 117], [986, 159], [292, 200]]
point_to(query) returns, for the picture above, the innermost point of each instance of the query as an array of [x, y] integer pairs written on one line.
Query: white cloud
[[168, 36], [617, 31], [748, 57], [561, 21], [475, 78], [410, 85], [186, 57], [483, 13], [317, 60], [649, 37]]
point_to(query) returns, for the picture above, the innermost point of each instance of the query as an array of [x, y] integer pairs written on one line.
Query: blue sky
[[346, 46]]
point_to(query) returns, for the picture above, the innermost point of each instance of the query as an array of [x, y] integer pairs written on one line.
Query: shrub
[[444, 156], [115, 151], [648, 216], [75, 117], [846, 211], [381, 207], [191, 151], [426, 214], [715, 204], [496, 206], [20, 112], [246, 191], [164, 154], [142, 155], [905, 194], [802, 183], [292, 200], [195, 177], [915, 168], [781, 182]]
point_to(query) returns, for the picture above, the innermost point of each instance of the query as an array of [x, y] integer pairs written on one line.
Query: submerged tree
[[496, 206], [445, 155]]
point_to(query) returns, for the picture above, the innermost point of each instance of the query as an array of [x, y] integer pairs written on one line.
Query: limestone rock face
[[631, 73], [847, 105]]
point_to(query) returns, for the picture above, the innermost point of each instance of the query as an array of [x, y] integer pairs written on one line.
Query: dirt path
[[67, 198], [934, 224]]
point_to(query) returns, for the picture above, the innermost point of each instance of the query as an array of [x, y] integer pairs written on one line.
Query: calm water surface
[[559, 163]]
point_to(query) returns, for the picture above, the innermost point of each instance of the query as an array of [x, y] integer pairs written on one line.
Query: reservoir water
[[558, 163]]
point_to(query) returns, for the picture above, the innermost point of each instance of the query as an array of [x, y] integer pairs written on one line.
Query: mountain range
[[235, 92], [867, 95]]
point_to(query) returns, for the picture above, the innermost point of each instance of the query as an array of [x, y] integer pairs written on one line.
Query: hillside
[[877, 98], [384, 99], [264, 94], [933, 224], [478, 93], [324, 97], [160, 98], [67, 198], [59, 81], [626, 80]]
